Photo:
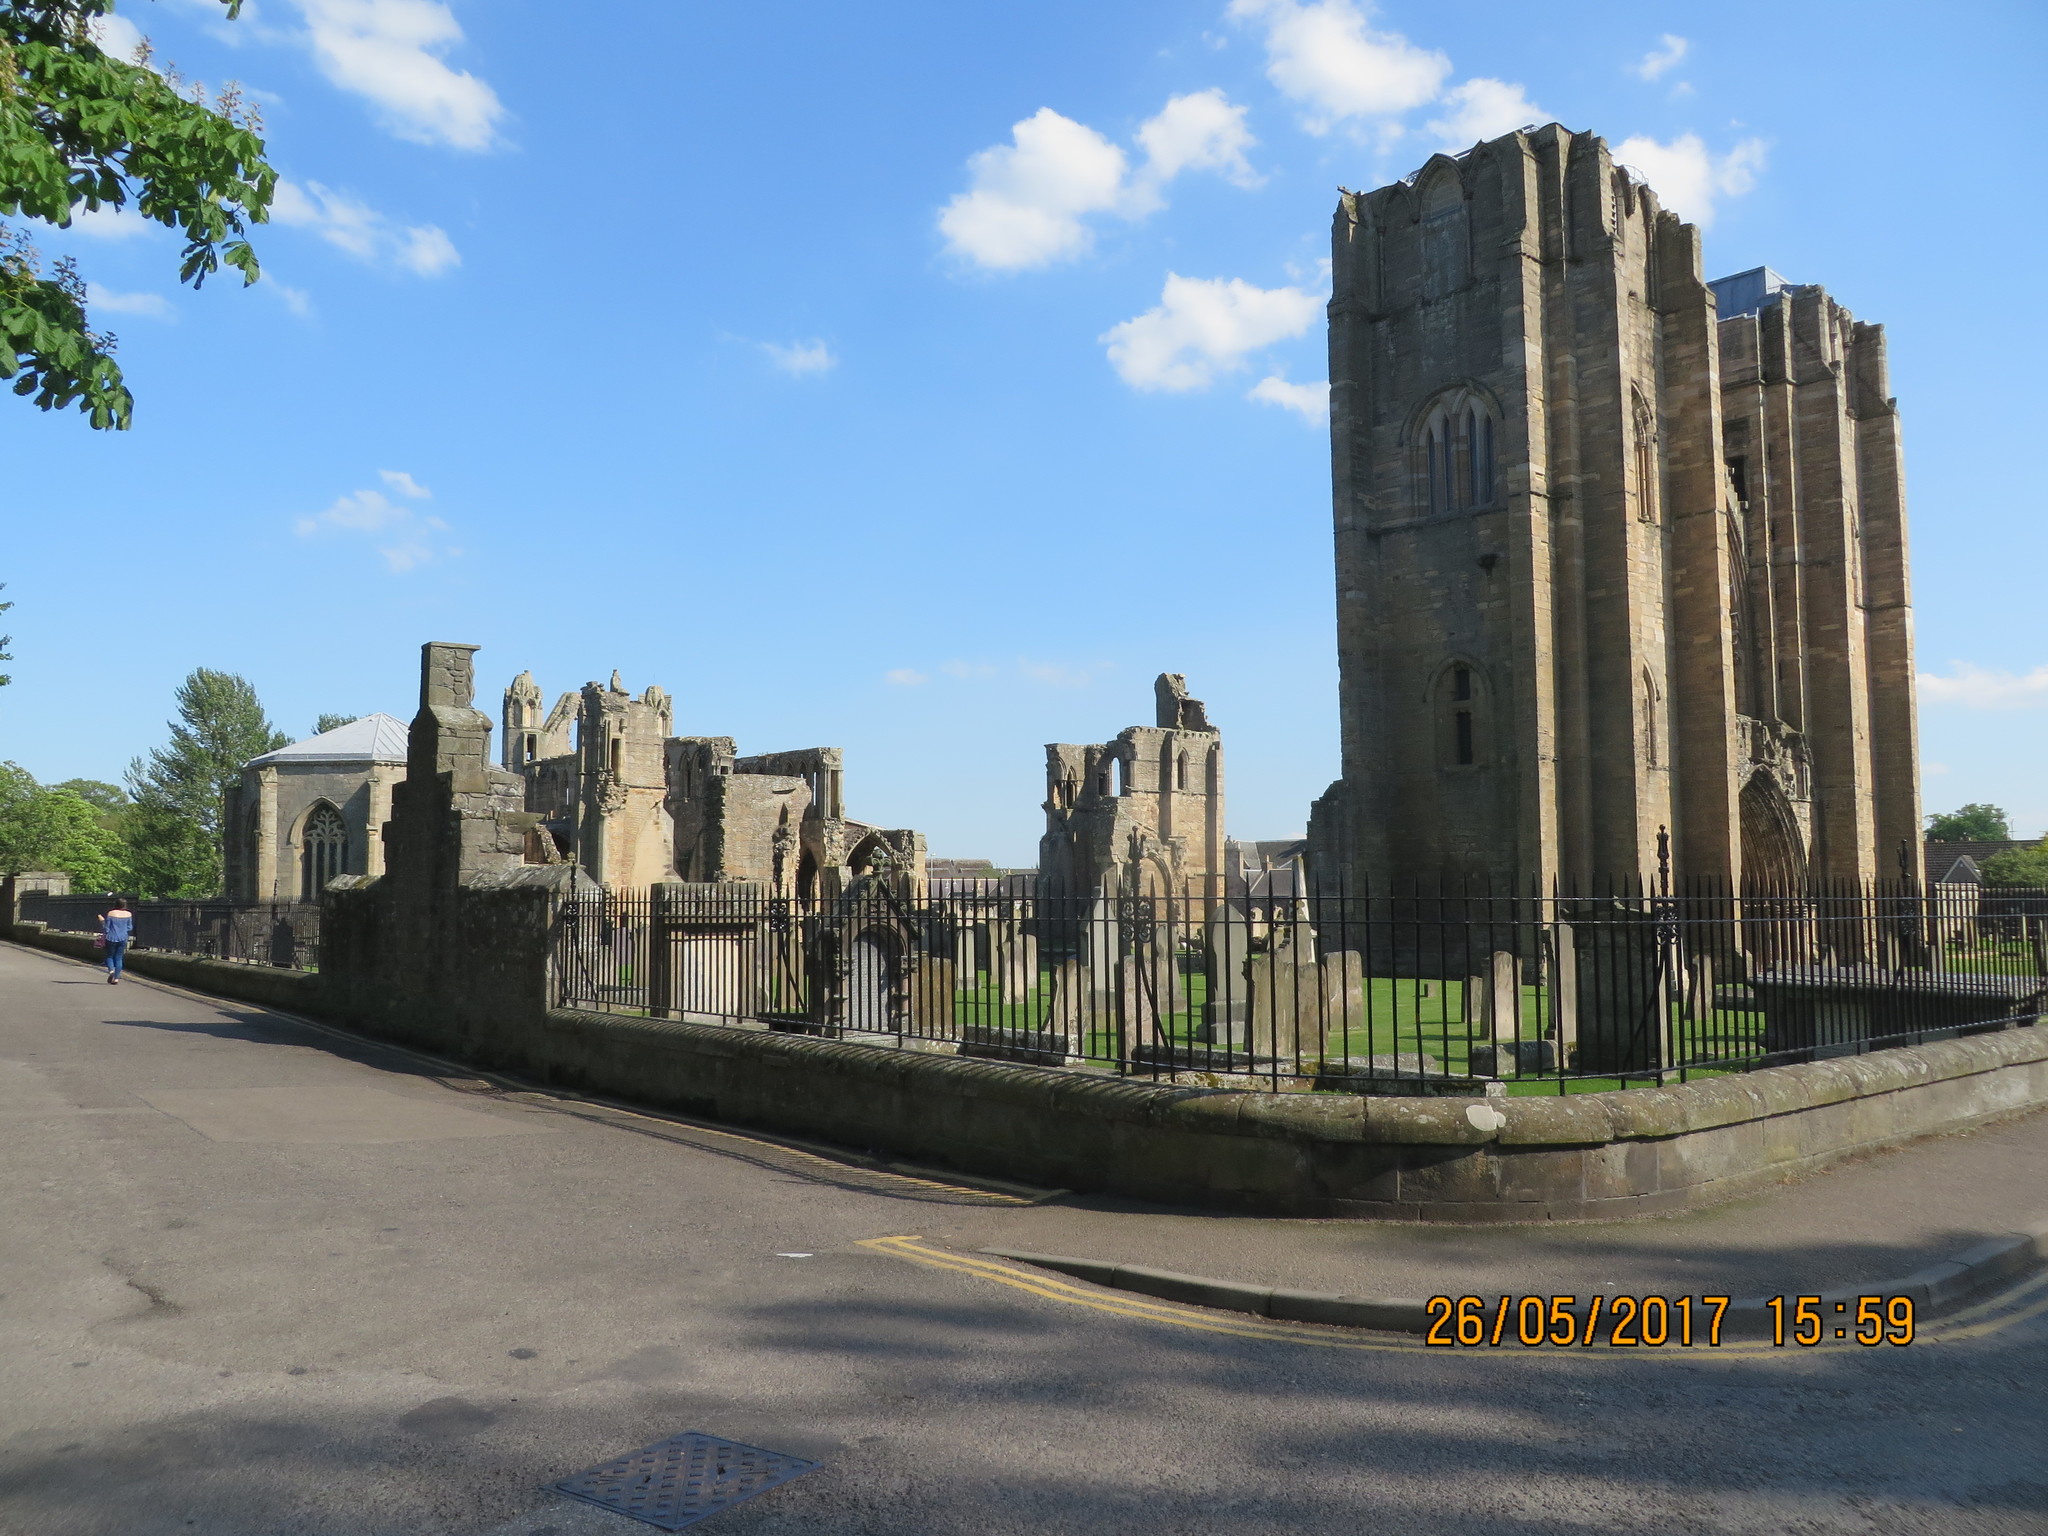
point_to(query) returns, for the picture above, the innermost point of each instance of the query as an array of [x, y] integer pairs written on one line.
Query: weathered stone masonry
[[1612, 555]]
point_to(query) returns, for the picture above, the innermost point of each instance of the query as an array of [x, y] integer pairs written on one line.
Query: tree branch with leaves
[[81, 129]]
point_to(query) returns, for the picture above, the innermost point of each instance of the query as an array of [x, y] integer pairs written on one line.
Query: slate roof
[[372, 739], [1942, 858]]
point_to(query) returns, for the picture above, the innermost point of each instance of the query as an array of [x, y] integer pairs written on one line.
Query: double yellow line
[[1986, 1317]]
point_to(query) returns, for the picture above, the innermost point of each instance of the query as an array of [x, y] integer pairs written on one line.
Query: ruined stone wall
[[1142, 812], [625, 838], [454, 935], [733, 825], [1813, 453], [529, 738]]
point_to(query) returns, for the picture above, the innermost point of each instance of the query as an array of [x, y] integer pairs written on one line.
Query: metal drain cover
[[683, 1479]]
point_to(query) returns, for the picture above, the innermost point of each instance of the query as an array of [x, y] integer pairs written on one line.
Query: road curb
[[1936, 1290]]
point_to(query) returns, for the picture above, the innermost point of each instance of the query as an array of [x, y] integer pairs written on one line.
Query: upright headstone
[[1227, 942]]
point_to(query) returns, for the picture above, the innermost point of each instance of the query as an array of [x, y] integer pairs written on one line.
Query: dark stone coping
[[1872, 978]]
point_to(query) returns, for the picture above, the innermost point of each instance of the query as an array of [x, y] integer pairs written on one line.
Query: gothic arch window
[[1646, 460], [1653, 753], [1445, 234], [323, 850], [1457, 465], [1442, 451], [1180, 771], [1478, 456], [1121, 773], [1460, 706]]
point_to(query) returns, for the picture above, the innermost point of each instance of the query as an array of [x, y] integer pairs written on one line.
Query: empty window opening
[[1117, 768], [1646, 461], [1461, 745], [618, 755], [1180, 772], [1738, 478], [1651, 753], [532, 747], [1461, 682]]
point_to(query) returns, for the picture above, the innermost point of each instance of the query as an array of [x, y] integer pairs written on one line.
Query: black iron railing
[[258, 933], [1457, 989]]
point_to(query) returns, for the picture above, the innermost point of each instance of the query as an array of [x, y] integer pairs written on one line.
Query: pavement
[[259, 1277]]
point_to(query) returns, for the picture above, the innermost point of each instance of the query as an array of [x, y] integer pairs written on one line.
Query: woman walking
[[116, 928]]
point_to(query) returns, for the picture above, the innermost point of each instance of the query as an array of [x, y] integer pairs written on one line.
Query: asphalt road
[[256, 1279]]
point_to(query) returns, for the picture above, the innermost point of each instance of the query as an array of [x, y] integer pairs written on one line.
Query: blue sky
[[923, 378]]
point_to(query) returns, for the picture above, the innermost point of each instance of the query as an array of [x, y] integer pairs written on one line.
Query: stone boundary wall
[[268, 985], [1585, 1156]]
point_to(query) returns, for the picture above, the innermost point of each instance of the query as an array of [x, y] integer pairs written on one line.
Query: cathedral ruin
[[1618, 549], [632, 804]]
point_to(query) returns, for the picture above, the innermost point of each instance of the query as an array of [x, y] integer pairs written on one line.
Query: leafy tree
[[328, 723], [82, 129], [171, 854], [2018, 866], [111, 808], [55, 828], [180, 790], [1972, 824], [110, 800]]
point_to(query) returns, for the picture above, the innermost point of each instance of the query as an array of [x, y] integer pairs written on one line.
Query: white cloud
[[389, 51], [1688, 177], [1975, 687], [359, 229], [1202, 327], [1201, 131], [117, 35], [426, 250], [404, 537], [153, 305], [905, 677], [1483, 109], [110, 223], [1312, 401], [297, 300], [801, 357], [1328, 59], [1030, 199], [1658, 60]]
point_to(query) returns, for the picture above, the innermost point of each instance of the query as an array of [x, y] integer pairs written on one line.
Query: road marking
[[1243, 1326]]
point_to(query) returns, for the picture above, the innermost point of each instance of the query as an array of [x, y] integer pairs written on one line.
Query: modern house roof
[[372, 739]]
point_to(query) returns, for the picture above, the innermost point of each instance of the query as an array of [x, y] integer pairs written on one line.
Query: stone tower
[[1607, 561], [626, 836]]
